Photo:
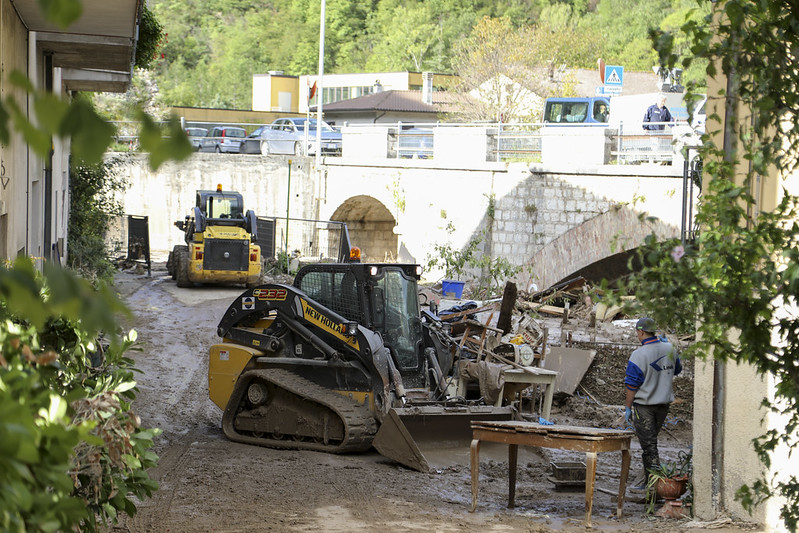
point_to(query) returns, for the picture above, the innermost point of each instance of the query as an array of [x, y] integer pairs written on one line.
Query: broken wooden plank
[[506, 307]]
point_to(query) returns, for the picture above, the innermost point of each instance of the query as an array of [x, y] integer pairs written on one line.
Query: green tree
[[696, 13], [93, 205], [213, 48], [409, 37], [739, 280], [560, 38], [624, 25], [496, 67]]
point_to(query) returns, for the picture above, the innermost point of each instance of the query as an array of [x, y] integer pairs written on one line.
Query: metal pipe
[[288, 203], [719, 375], [686, 170], [321, 87]]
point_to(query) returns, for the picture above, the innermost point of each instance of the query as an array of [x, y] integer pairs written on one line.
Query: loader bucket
[[406, 432]]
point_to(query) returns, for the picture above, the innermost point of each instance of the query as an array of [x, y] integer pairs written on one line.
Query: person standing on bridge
[[650, 372], [657, 113], [654, 118]]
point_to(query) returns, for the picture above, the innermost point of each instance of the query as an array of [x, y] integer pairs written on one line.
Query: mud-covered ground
[[208, 483]]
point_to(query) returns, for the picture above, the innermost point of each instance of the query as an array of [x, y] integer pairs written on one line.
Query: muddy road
[[208, 483]]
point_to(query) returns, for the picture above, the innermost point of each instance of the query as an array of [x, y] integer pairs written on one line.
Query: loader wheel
[[257, 393], [182, 268], [171, 262]]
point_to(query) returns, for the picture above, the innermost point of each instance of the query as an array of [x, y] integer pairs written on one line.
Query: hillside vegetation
[[213, 47]]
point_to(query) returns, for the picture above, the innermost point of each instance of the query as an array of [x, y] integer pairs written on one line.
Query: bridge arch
[[371, 226], [606, 235]]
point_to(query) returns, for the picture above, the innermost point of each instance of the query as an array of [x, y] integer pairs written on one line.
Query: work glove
[[628, 412]]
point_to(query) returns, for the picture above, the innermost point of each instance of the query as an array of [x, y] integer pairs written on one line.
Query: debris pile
[[560, 329]]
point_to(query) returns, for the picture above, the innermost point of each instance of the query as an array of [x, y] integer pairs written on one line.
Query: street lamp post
[[320, 88]]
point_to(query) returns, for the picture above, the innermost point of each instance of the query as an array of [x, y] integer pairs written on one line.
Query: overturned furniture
[[501, 370]]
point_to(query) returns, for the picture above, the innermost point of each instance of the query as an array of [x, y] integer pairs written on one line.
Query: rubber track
[[359, 424]]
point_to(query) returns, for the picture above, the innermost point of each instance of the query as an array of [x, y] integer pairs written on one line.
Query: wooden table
[[516, 380], [588, 440]]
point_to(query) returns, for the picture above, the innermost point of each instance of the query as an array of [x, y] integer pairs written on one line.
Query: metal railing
[[629, 142], [310, 240], [635, 145], [513, 142]]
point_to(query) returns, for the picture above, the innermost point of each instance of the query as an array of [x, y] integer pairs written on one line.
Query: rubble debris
[[458, 312], [539, 337], [567, 475], [569, 289]]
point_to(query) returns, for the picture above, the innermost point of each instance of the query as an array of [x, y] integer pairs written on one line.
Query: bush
[[93, 206], [72, 453]]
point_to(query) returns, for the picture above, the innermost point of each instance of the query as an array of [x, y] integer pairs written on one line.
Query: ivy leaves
[[736, 285]]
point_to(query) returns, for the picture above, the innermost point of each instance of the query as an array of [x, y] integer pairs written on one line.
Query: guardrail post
[[399, 138]]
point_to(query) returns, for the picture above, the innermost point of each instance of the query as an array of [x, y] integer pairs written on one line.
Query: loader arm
[[343, 342]]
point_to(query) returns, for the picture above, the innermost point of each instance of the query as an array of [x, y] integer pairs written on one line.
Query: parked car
[[290, 136], [223, 139], [252, 143], [589, 110], [195, 136], [415, 143]]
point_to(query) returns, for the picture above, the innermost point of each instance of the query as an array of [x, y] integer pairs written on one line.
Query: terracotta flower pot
[[671, 488]]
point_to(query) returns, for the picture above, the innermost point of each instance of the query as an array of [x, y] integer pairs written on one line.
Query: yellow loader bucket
[[405, 432]]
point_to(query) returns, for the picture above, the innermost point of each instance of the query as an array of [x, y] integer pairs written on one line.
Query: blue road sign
[[614, 76]]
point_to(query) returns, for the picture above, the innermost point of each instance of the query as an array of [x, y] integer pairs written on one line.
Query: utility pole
[[320, 88]]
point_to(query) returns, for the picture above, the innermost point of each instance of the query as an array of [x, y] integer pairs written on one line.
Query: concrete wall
[[195, 115], [553, 222], [169, 194], [557, 221], [14, 155], [33, 207]]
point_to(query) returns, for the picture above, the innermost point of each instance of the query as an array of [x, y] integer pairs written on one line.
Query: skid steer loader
[[220, 243], [340, 361]]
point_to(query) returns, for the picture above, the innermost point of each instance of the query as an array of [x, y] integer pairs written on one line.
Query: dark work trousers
[[647, 421]]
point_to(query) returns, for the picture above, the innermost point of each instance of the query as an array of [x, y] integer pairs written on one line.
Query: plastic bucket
[[452, 288]]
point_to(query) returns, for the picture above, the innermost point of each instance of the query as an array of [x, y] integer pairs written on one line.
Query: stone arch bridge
[[552, 221]]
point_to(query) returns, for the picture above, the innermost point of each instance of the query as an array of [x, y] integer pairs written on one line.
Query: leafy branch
[[739, 280], [73, 454]]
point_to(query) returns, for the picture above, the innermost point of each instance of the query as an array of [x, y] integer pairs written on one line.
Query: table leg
[[475, 459], [625, 471], [550, 392], [590, 475], [513, 454]]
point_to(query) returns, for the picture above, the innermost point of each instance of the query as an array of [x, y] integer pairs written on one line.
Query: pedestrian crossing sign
[[614, 76]]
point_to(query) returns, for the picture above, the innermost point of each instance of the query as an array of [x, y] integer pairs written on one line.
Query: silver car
[[290, 136], [195, 136], [221, 139]]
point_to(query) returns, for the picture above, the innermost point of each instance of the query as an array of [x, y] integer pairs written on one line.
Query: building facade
[[276, 91], [95, 53]]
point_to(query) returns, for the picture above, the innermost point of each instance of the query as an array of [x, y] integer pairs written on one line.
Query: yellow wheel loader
[[340, 361], [220, 243]]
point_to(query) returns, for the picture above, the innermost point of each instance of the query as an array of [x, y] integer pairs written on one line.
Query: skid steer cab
[[220, 243], [342, 360]]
